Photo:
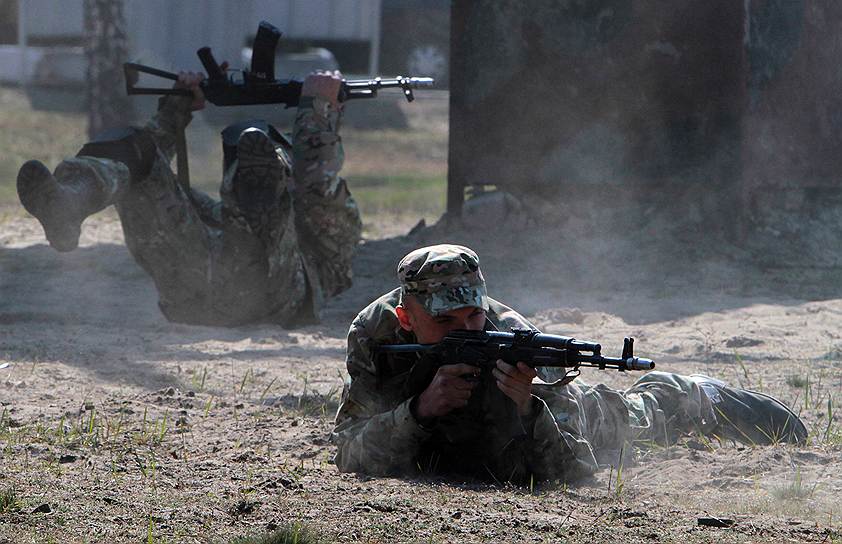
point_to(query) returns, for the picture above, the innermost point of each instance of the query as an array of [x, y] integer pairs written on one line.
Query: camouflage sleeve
[[555, 453], [375, 431], [316, 147], [173, 111], [326, 216]]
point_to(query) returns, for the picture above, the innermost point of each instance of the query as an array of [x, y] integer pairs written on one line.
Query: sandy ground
[[118, 426]]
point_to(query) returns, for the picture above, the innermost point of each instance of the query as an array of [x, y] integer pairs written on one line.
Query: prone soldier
[[509, 426]]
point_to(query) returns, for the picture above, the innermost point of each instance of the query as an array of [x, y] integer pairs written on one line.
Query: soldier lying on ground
[[450, 425], [280, 240]]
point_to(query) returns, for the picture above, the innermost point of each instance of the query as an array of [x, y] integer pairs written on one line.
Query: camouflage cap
[[443, 278]]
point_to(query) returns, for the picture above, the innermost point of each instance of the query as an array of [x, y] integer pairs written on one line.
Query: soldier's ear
[[403, 317]]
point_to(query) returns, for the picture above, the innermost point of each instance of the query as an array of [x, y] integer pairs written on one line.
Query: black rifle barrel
[[532, 347]]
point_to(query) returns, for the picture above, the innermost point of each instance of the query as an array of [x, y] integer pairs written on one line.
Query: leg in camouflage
[[63, 200], [86, 184], [661, 407], [208, 263], [674, 405]]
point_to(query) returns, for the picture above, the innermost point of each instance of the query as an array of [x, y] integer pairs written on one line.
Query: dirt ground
[[118, 426]]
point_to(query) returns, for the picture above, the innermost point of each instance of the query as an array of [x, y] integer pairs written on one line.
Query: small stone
[[694, 444], [715, 522], [170, 391], [42, 509]]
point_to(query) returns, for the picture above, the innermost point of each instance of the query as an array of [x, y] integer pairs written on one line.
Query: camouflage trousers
[[212, 266], [658, 409]]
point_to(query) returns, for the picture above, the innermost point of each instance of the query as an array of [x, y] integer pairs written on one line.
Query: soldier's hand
[[448, 391], [516, 383], [192, 81], [324, 84]]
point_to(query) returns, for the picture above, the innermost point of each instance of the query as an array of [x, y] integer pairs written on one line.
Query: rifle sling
[[183, 174]]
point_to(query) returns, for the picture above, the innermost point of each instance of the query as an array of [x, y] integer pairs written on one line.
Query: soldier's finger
[[505, 367], [522, 372], [456, 403], [526, 370], [514, 394], [459, 394], [456, 382], [512, 372], [458, 370], [511, 381]]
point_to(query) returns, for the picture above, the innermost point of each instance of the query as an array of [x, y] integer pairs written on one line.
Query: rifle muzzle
[[639, 363]]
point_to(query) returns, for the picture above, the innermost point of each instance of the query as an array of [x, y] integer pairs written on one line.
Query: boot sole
[[256, 155], [36, 188], [259, 172]]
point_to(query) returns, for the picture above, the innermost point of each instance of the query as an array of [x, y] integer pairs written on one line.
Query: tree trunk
[[106, 48]]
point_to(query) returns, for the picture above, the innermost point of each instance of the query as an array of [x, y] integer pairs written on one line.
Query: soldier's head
[[442, 289]]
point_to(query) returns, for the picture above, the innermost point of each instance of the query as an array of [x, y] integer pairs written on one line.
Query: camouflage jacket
[[376, 433], [308, 239]]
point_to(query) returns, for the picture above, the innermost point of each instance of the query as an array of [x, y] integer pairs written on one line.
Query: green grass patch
[[10, 503], [26, 134], [794, 489], [797, 381], [413, 194], [295, 533]]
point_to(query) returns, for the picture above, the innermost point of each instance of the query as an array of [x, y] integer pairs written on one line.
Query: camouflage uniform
[[228, 263], [571, 430]]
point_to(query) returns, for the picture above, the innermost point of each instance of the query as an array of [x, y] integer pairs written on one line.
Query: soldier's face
[[430, 329]]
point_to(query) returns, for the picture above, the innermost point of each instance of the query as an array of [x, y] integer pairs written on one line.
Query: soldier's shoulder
[[505, 318], [378, 320]]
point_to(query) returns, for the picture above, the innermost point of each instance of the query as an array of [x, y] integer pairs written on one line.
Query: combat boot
[[258, 182], [61, 202], [750, 417]]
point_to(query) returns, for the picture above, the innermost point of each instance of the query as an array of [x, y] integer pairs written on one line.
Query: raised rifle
[[258, 85]]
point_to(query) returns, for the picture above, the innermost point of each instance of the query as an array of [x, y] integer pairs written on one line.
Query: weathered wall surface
[[723, 103], [566, 94], [792, 128]]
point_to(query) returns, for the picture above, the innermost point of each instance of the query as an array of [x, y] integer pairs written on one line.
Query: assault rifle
[[483, 348], [258, 85]]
